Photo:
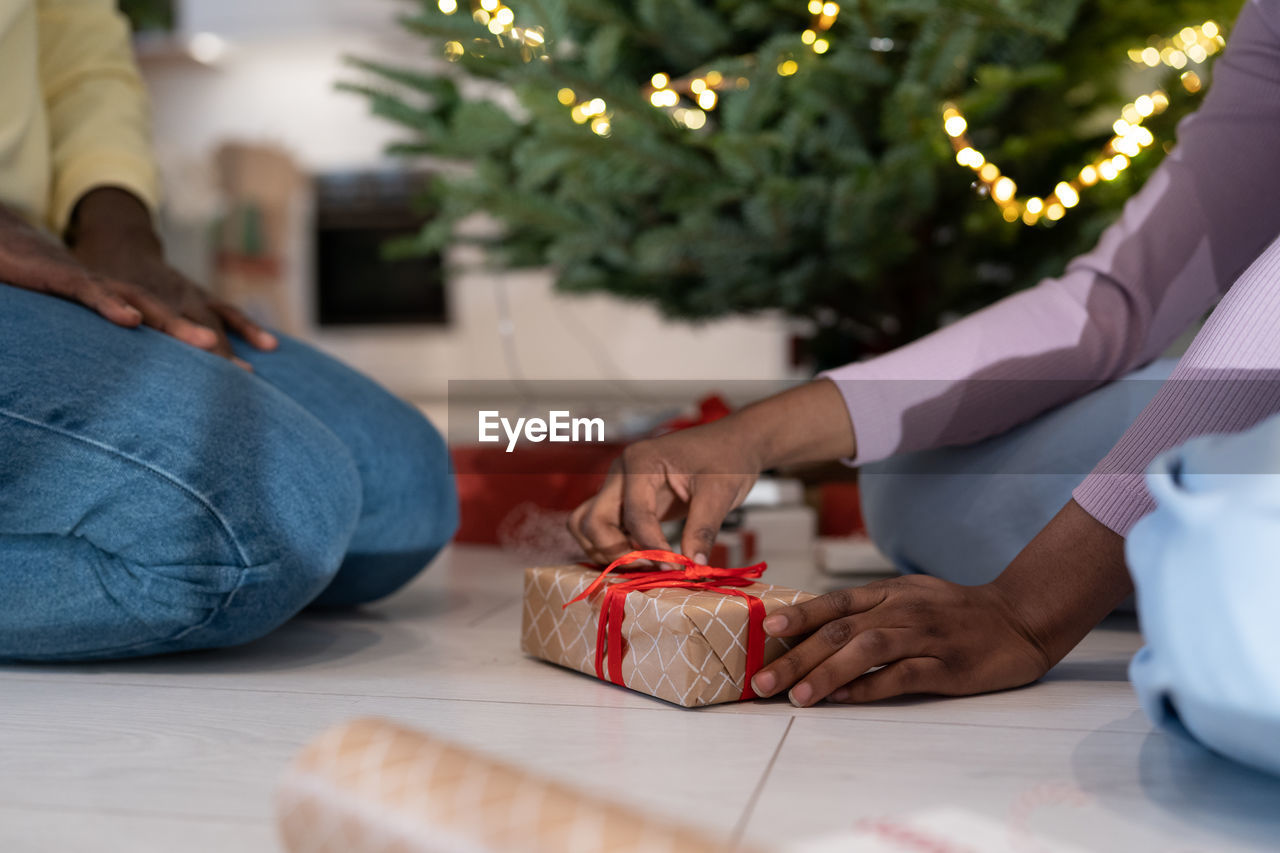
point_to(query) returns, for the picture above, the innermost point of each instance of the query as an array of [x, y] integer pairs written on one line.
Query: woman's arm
[[1204, 215]]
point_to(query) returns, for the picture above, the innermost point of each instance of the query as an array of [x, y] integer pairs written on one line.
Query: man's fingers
[[108, 305], [809, 615], [711, 499], [905, 677], [161, 317], [866, 650], [71, 281], [238, 322]]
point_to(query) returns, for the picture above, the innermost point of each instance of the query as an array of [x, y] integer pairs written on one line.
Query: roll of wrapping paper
[[371, 786]]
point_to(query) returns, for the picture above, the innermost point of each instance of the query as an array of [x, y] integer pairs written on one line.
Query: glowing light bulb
[[989, 172], [787, 67], [808, 37], [1151, 56], [695, 119], [1003, 189], [1107, 170], [1034, 206], [600, 126], [707, 100], [955, 125], [1144, 105], [659, 81], [566, 96], [1210, 29], [448, 6], [453, 50], [1009, 213], [815, 7], [1066, 194], [714, 78], [1054, 212], [1089, 176], [830, 9], [1191, 81], [697, 86], [821, 46]]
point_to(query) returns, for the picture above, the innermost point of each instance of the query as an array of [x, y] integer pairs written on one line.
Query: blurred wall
[[271, 80]]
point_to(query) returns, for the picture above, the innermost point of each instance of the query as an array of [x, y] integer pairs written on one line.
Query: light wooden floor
[[181, 754]]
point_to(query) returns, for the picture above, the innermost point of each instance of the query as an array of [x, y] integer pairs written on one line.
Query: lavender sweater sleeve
[[1204, 216]]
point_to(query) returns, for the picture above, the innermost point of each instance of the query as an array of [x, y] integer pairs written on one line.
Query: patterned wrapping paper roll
[[371, 786]]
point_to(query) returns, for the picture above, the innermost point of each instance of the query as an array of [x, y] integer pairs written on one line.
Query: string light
[[1191, 45]]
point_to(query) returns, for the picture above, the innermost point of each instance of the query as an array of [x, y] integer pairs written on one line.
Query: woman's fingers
[[238, 322], [640, 516], [848, 645], [597, 523], [869, 649], [810, 615], [902, 678], [711, 500]]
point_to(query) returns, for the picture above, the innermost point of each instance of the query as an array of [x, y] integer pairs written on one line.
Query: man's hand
[[124, 271], [918, 634], [702, 473], [926, 635]]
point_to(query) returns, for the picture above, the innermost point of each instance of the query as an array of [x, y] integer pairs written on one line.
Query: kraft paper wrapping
[[684, 646], [371, 786]]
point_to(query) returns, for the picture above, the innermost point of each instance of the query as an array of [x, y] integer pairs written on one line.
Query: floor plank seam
[[741, 826]]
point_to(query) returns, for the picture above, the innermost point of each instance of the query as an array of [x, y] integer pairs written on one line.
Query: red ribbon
[[692, 576]]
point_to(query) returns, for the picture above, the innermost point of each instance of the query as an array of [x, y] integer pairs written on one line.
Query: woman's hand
[[124, 276], [926, 634], [699, 473], [918, 634], [702, 473]]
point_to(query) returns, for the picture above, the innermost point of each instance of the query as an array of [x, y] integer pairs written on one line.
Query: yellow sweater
[[73, 111]]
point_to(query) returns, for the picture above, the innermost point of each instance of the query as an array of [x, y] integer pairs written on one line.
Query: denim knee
[[411, 512]]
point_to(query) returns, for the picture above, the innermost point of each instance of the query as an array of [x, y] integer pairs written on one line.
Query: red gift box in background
[[523, 499], [497, 489]]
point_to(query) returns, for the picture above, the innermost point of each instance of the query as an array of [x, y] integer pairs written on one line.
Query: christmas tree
[[873, 168]]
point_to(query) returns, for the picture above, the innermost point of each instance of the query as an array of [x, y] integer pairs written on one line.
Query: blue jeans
[[155, 498], [963, 513]]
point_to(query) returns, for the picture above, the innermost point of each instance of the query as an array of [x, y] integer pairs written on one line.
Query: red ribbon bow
[[692, 576]]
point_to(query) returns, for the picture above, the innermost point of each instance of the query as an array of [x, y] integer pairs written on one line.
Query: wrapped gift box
[[690, 636]]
